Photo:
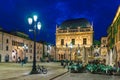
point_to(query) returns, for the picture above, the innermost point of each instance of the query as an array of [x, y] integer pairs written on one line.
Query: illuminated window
[[62, 41], [104, 41], [84, 41], [6, 40], [30, 57], [73, 41], [13, 42], [37, 57]]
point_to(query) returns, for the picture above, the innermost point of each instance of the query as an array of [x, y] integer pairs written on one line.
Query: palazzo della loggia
[[74, 40]]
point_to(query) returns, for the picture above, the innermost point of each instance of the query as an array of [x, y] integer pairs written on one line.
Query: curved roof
[[74, 23]]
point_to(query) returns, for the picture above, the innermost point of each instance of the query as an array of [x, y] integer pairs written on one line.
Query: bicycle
[[41, 69]]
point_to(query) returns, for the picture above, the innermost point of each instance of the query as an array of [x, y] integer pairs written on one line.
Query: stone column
[[111, 57], [107, 59]]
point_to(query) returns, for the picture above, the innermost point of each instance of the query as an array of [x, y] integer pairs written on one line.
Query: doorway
[[6, 58], [0, 57]]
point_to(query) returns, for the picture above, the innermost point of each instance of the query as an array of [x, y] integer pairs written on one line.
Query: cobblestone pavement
[[14, 71], [87, 76]]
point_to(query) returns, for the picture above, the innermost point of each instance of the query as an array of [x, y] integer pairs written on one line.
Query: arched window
[[62, 41], [30, 57], [7, 48], [7, 41], [37, 57], [64, 56]]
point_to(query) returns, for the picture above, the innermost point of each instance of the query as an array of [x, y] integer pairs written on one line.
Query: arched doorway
[[17, 55], [20, 54], [14, 55], [62, 56]]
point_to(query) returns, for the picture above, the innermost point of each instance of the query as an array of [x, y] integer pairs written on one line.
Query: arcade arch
[[17, 54]]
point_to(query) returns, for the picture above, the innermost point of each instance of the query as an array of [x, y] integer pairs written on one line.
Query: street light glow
[[35, 18], [30, 30], [39, 25], [71, 45], [79, 51], [30, 21], [25, 47]]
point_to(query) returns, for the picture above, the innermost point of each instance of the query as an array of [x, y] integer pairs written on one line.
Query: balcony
[[74, 30]]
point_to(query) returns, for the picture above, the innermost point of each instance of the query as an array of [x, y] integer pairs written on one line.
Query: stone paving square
[[14, 71]]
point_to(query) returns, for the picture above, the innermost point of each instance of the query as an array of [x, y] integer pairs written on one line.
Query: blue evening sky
[[14, 14]]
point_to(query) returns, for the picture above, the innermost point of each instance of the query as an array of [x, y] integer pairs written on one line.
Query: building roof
[[117, 14], [74, 23], [20, 34]]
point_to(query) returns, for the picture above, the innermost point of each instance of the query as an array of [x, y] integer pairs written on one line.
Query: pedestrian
[[67, 62], [64, 65], [114, 70], [22, 62]]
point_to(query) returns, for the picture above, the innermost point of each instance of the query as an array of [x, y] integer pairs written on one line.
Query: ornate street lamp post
[[37, 25]]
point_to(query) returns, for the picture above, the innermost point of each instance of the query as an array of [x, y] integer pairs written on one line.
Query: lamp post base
[[34, 72]]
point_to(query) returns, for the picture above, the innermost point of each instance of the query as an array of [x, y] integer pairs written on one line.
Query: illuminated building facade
[[12, 47], [74, 39], [114, 38]]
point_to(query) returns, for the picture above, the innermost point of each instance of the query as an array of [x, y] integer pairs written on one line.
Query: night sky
[[14, 14]]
